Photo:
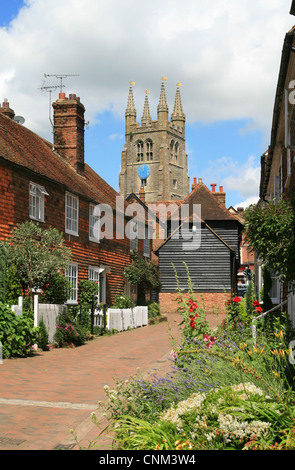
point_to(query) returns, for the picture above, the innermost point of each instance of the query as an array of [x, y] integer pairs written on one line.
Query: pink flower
[[173, 354], [210, 340]]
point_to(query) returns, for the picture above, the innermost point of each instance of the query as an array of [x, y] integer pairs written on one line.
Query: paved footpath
[[44, 396]]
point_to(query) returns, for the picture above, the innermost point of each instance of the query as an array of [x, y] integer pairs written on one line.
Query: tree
[[270, 230], [37, 253], [144, 274]]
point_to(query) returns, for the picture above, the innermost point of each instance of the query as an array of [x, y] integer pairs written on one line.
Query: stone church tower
[[154, 153]]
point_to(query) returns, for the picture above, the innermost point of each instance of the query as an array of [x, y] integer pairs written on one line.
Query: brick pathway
[[43, 397]]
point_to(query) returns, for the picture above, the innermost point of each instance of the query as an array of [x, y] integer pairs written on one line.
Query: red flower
[[258, 309], [237, 299], [193, 307], [190, 301], [192, 321], [256, 303]]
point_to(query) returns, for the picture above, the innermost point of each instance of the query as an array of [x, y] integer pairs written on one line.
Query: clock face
[[143, 171]]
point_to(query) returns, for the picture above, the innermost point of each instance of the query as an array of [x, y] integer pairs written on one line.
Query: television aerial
[[19, 119]]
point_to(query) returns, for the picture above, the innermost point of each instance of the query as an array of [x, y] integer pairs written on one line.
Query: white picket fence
[[122, 319], [116, 319]]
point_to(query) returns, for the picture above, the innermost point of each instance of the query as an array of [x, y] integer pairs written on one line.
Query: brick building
[[278, 162], [54, 186]]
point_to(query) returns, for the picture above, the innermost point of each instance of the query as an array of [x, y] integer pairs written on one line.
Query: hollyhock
[[210, 340], [237, 299], [258, 309], [256, 303]]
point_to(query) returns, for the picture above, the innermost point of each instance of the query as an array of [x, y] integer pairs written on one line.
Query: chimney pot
[[200, 180], [221, 189], [62, 96], [213, 187]]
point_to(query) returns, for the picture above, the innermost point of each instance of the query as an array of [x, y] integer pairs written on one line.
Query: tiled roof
[[211, 208], [24, 148]]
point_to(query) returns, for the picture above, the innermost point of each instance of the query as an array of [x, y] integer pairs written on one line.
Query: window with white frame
[[72, 276], [94, 224], [36, 201], [71, 214], [94, 275]]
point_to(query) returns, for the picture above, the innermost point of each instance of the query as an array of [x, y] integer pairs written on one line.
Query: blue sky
[[226, 55]]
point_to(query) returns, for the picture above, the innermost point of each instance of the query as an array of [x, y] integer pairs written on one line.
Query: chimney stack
[[220, 195], [5, 109], [195, 183], [69, 130], [142, 194]]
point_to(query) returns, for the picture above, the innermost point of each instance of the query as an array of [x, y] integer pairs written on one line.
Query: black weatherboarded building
[[213, 264]]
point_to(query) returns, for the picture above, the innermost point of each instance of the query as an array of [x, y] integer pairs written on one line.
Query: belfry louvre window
[[139, 155], [71, 214], [149, 150], [36, 201]]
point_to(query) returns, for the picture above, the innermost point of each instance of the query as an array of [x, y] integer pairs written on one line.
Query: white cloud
[[226, 54], [242, 178]]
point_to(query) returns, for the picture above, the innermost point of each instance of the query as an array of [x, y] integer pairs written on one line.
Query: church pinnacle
[[146, 117], [178, 113]]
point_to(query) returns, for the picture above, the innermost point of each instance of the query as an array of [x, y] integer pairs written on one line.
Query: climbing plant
[[144, 274], [270, 230]]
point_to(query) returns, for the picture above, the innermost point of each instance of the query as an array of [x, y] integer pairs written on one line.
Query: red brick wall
[[14, 208], [213, 302]]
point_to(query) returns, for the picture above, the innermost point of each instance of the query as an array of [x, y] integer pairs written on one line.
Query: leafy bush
[[153, 310], [123, 301], [87, 291], [55, 290], [17, 333]]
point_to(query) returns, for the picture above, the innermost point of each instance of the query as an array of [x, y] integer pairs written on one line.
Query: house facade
[[277, 163], [52, 185], [207, 243]]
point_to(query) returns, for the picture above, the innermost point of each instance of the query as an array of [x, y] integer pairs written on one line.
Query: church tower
[[154, 153]]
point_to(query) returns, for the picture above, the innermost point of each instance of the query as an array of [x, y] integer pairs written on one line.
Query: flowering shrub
[[68, 332]]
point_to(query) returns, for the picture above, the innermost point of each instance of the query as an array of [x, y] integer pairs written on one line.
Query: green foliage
[[144, 274], [87, 291], [37, 253], [43, 336], [270, 231], [123, 301], [10, 288], [17, 333], [55, 290], [153, 310], [250, 298]]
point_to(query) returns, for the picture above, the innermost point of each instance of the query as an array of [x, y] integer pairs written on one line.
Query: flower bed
[[223, 391]]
